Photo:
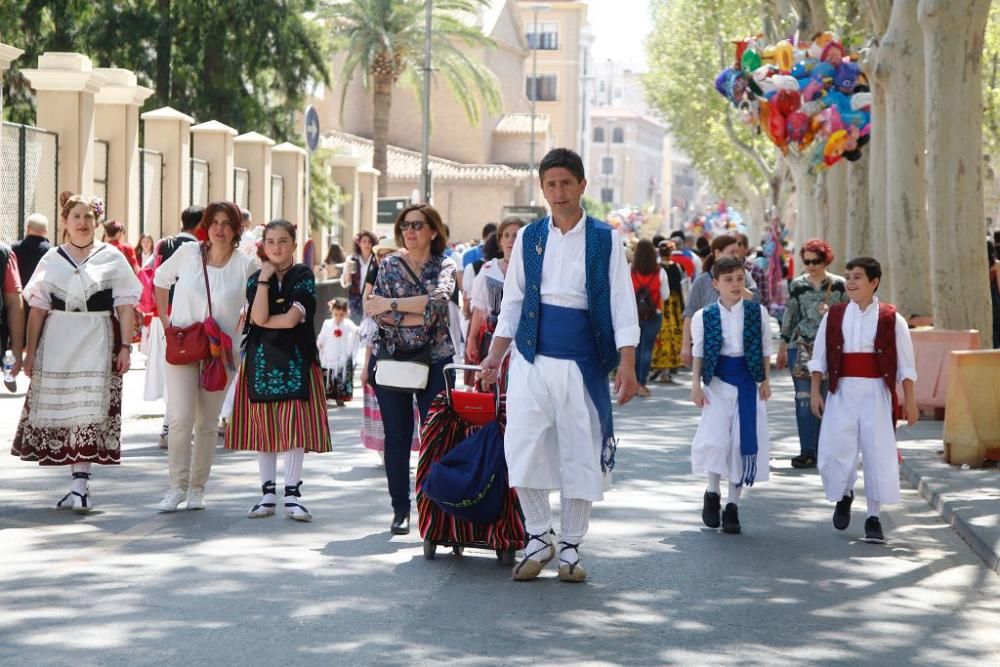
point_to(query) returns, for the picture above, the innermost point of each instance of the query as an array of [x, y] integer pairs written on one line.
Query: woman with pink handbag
[[209, 279]]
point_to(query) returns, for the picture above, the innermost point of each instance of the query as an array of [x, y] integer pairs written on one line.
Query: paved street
[[128, 586]]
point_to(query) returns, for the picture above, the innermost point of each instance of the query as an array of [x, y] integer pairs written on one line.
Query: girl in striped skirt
[[280, 404]]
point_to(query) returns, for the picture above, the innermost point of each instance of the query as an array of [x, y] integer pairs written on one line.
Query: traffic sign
[[312, 128]]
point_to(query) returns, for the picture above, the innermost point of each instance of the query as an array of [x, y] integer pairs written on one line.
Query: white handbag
[[399, 375]]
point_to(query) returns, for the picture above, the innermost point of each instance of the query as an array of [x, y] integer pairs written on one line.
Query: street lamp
[[425, 139], [535, 10]]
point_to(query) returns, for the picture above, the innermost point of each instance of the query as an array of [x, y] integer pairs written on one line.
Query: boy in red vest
[[865, 347]]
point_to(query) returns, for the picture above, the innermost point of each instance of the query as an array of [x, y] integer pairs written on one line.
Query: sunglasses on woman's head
[[812, 262], [415, 225]]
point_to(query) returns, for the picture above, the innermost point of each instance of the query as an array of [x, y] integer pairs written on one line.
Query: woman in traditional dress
[[193, 411], [487, 292], [145, 250], [338, 343], [77, 351], [667, 351], [280, 404]]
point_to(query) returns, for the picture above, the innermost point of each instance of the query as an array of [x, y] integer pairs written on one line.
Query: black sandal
[[291, 506], [263, 509], [69, 502]]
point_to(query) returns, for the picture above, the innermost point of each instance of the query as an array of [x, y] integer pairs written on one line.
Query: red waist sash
[[860, 365]]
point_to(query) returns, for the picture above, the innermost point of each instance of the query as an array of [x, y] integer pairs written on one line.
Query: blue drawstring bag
[[469, 481]]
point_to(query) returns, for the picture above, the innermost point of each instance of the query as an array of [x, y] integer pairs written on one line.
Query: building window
[[542, 88], [607, 195], [543, 36], [598, 135], [607, 165], [618, 135]]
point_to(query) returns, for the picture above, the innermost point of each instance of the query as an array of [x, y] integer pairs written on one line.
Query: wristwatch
[[394, 305]]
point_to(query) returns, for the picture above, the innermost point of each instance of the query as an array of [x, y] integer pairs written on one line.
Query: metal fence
[[151, 193], [241, 187], [200, 176], [30, 158], [101, 148], [277, 196]]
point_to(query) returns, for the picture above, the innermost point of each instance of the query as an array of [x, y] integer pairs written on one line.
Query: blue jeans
[[397, 419], [648, 330], [808, 423]]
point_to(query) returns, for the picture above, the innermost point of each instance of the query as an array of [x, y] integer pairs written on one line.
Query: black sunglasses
[[415, 225], [812, 262]]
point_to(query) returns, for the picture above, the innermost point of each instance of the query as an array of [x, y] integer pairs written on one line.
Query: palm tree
[[384, 43]]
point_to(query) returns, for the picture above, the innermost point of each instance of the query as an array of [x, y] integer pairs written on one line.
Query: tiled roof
[[405, 164], [520, 123]]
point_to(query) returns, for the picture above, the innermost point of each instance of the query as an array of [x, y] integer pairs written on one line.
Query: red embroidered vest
[[885, 345]]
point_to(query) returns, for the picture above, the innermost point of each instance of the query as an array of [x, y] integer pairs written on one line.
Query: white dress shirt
[[859, 336], [732, 331], [564, 282]]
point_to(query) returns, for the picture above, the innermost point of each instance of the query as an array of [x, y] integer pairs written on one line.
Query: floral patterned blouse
[[395, 282]]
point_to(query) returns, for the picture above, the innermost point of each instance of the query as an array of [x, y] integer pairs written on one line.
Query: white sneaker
[[196, 499], [172, 500]]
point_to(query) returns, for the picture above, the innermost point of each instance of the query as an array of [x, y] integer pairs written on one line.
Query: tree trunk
[[164, 42], [805, 224], [381, 106], [859, 228], [756, 207], [836, 197], [901, 68], [953, 34]]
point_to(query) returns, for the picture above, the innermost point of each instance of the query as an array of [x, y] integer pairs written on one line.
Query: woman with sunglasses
[[410, 302], [809, 297]]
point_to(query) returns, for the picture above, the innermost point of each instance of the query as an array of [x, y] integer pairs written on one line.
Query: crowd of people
[[562, 313]]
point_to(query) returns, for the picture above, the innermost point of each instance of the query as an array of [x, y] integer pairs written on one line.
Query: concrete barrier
[[972, 417], [932, 348]]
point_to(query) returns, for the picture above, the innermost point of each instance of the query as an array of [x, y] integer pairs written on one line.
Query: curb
[[953, 518]]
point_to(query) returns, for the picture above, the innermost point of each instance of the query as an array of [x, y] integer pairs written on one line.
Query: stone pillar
[[213, 143], [65, 85], [117, 122], [368, 188], [8, 54], [169, 132], [252, 151], [345, 171], [289, 162]]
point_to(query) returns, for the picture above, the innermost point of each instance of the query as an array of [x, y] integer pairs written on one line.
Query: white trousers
[[194, 427], [156, 362], [716, 446], [858, 421], [553, 436]]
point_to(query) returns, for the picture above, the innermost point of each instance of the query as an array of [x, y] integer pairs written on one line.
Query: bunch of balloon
[[807, 97]]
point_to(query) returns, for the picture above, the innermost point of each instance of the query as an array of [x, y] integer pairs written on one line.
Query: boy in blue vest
[[731, 352], [568, 305]]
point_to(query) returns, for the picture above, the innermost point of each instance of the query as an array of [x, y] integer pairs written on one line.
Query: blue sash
[[565, 333], [734, 371]]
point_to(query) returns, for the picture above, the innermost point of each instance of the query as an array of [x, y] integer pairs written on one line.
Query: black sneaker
[[804, 461], [873, 531], [400, 524], [731, 520], [842, 513], [710, 509]]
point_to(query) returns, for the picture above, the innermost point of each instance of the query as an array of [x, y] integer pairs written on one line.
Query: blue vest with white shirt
[[584, 336]]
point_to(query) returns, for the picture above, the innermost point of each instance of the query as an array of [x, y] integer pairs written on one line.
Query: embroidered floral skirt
[[372, 430], [72, 413], [277, 426], [667, 350], [340, 383]]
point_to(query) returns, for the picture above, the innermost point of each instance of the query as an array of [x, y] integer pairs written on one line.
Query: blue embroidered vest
[[753, 346], [597, 262]]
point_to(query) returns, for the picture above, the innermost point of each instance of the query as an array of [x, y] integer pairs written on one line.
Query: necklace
[[82, 247]]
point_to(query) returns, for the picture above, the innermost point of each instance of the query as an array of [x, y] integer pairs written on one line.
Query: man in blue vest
[[569, 307]]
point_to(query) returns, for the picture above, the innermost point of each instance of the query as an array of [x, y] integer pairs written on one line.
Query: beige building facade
[[626, 158]]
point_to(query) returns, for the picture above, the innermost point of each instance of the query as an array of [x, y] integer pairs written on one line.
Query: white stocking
[[713, 482], [80, 485], [873, 507], [293, 466], [268, 464], [734, 493], [575, 522]]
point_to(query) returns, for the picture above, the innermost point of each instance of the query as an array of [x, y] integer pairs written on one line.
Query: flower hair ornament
[[67, 200]]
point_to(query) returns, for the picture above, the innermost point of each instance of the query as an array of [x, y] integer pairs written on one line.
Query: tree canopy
[[246, 63]]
